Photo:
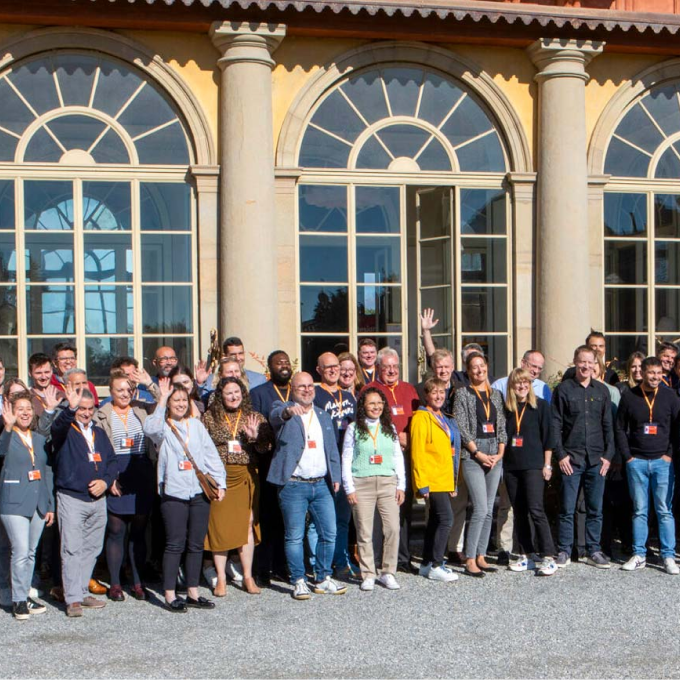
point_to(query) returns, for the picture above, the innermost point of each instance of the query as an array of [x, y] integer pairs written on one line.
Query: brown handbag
[[210, 487]]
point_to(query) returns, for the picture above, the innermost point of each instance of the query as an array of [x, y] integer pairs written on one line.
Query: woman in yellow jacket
[[435, 447]]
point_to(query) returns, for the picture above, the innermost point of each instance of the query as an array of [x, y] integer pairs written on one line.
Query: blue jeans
[[659, 477], [593, 489], [343, 514], [295, 499], [24, 535]]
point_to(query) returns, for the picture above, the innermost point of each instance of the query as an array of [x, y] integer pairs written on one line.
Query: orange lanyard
[[27, 441], [392, 389], [124, 418], [41, 399], [279, 392], [666, 382], [374, 436], [174, 429], [234, 429], [486, 405], [82, 434], [650, 403], [368, 376], [518, 420], [440, 420], [338, 399]]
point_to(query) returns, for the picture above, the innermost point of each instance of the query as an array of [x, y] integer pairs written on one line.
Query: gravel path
[[582, 622]]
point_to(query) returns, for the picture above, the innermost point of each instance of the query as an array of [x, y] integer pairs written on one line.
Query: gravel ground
[[582, 622]]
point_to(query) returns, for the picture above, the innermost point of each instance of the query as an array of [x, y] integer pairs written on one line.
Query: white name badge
[[234, 446]]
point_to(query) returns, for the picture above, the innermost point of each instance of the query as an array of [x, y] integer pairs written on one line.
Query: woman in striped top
[[129, 506]]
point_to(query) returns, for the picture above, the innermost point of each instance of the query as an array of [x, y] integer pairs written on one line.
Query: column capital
[[562, 58], [242, 41], [206, 177]]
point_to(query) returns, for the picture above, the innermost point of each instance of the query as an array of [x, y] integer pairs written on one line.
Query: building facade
[[304, 175]]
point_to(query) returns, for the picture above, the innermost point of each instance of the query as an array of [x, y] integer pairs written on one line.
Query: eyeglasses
[[335, 367], [304, 388], [167, 360]]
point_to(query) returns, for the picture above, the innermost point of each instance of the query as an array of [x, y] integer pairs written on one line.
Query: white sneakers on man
[[388, 581], [329, 587], [524, 563], [367, 585], [234, 572], [301, 590], [443, 574], [634, 563], [670, 566]]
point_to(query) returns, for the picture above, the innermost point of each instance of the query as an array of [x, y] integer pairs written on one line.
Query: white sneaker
[[546, 568], [301, 590], [388, 581], [634, 563], [234, 572], [442, 574], [329, 587], [5, 597], [425, 569], [524, 563], [210, 576], [367, 584], [671, 566]]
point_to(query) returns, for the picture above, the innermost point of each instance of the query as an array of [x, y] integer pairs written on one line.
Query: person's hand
[[667, 459], [484, 459], [220, 494], [96, 487], [425, 495], [565, 466], [141, 377], [399, 496], [49, 519], [74, 396], [605, 467], [336, 486], [403, 440], [115, 489], [201, 372], [453, 494], [495, 459], [296, 410], [52, 397], [352, 498], [547, 474], [165, 386], [427, 320], [8, 414], [252, 426]]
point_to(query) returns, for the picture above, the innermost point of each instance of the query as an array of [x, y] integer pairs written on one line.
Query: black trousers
[[405, 516], [526, 489], [439, 523], [270, 554], [186, 524]]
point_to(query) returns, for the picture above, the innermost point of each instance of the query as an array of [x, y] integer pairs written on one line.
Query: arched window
[[642, 223], [94, 203], [402, 206]]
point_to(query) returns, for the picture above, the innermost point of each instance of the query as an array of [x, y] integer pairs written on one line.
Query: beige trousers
[[372, 493], [505, 520]]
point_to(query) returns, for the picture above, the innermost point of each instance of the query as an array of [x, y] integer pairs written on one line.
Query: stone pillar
[[563, 272], [247, 248]]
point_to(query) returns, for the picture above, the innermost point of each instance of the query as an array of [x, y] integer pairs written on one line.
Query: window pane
[[620, 347], [146, 111], [435, 262], [106, 206], [484, 260], [35, 82], [484, 309], [115, 86], [75, 73], [167, 309], [108, 309], [9, 353], [404, 140], [638, 129], [439, 299], [6, 204], [439, 97], [8, 310], [165, 207], [434, 157], [42, 148], [108, 257], [667, 310], [8, 258], [323, 258], [625, 161], [49, 257], [46, 345], [320, 150], [166, 258], [379, 309], [324, 310], [50, 310], [482, 211], [338, 117], [625, 262], [77, 132], [15, 114], [184, 349], [667, 215], [667, 262], [48, 205], [662, 104], [434, 212], [377, 210], [403, 86], [625, 309], [373, 156], [466, 122], [378, 259], [323, 208], [164, 147], [8, 146], [496, 350], [110, 149], [366, 93], [100, 352], [483, 155], [669, 164], [625, 215], [313, 347]]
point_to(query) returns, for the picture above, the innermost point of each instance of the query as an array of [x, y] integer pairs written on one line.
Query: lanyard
[[309, 422], [27, 441], [441, 421], [82, 434], [279, 392], [41, 399], [486, 405], [374, 436], [650, 403], [518, 418], [368, 376], [233, 429], [177, 432], [337, 399], [392, 389], [124, 418]]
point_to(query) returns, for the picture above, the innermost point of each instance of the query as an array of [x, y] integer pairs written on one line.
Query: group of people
[[240, 477]]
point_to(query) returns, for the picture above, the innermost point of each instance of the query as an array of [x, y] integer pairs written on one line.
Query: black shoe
[[20, 610], [177, 606], [264, 581], [474, 574], [35, 607], [489, 570], [503, 559], [201, 603], [407, 569]]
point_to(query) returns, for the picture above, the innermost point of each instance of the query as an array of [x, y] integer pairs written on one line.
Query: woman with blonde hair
[[351, 376], [526, 468]]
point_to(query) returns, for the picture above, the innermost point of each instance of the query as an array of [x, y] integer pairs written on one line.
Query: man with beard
[[164, 360]]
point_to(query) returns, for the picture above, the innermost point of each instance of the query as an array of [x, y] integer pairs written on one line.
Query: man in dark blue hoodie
[[85, 468]]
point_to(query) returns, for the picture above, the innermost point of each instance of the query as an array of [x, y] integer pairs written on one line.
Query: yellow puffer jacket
[[431, 454]]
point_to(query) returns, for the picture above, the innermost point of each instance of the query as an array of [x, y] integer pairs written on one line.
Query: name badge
[[488, 428], [376, 459], [94, 457], [234, 446], [185, 465], [33, 475], [518, 442], [397, 410], [651, 428], [311, 443], [127, 443]]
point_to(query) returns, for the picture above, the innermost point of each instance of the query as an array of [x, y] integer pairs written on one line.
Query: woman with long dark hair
[[373, 476]]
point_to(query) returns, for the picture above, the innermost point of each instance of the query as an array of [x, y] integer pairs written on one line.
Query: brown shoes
[[74, 610], [96, 588], [93, 603], [250, 586], [220, 589], [57, 593]]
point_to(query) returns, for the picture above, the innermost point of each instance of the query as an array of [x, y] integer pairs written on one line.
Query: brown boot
[[250, 586], [220, 589]]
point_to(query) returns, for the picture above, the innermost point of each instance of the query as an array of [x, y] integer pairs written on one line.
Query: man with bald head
[[164, 360], [306, 469]]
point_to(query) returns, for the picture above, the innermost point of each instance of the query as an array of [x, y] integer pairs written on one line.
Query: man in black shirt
[[647, 437], [583, 432], [598, 343]]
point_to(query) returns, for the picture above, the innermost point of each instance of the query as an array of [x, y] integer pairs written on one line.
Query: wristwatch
[[547, 467]]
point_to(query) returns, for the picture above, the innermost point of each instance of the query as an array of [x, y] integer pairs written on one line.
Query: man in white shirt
[[533, 361]]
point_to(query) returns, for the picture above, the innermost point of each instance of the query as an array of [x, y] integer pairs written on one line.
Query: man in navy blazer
[[306, 470]]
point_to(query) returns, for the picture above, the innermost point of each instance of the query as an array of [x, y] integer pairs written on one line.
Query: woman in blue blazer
[[26, 499]]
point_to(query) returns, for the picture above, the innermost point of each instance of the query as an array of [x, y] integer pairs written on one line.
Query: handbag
[[208, 484]]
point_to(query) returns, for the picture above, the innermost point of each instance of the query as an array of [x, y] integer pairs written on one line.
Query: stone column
[[563, 272], [247, 238]]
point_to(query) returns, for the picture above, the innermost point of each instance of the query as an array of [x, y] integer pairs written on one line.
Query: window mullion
[[21, 291], [456, 277], [136, 274], [79, 272], [651, 275], [352, 288]]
